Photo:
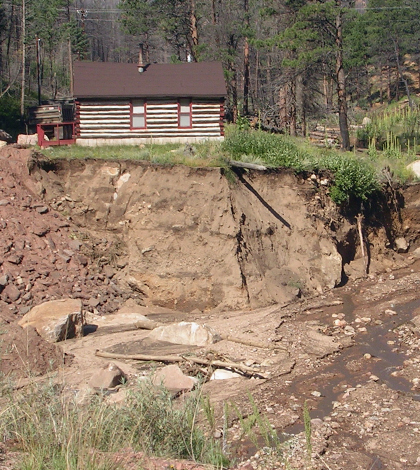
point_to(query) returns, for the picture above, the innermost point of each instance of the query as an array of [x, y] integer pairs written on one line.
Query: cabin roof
[[122, 80]]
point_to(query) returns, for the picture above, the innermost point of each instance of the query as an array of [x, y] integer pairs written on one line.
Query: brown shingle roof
[[109, 80]]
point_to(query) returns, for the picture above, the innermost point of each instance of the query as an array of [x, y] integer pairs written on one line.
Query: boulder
[[56, 320], [108, 377], [172, 378], [188, 333], [24, 139], [320, 345], [415, 168]]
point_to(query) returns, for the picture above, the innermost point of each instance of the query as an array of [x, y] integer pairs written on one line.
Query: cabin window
[[138, 114], [184, 113]]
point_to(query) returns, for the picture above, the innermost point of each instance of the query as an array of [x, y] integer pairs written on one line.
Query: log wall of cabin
[[112, 120]]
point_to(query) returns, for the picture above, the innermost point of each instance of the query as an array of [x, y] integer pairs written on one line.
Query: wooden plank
[[148, 133], [92, 107]]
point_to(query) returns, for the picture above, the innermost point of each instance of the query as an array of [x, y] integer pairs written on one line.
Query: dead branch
[[249, 342], [359, 220], [196, 360]]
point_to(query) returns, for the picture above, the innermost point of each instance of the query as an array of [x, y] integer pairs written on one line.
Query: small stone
[[374, 378], [367, 356], [42, 209], [388, 311], [349, 330], [15, 259], [316, 394], [4, 280], [10, 293]]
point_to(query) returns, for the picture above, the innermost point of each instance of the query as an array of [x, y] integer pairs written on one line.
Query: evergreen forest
[[287, 63]]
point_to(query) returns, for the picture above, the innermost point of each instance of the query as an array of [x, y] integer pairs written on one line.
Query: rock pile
[[41, 257]]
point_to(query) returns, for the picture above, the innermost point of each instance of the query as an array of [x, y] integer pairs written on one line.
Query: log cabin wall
[[109, 122]]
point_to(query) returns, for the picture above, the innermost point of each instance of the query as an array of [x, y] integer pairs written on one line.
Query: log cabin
[[120, 103]]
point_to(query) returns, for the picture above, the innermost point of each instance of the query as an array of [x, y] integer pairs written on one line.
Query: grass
[[55, 432], [355, 177], [197, 155]]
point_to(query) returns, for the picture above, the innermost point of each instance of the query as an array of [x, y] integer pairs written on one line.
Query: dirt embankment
[[190, 239]]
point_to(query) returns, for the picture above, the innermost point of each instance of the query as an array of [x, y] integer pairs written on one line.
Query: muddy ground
[[269, 260]]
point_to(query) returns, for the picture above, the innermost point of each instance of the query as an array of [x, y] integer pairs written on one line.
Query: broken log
[[196, 360], [251, 166]]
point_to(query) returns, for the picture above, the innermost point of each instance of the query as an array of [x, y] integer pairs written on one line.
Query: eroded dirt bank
[[190, 239], [188, 244]]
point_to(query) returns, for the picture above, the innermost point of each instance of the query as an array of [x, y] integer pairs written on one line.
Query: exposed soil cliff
[[190, 239]]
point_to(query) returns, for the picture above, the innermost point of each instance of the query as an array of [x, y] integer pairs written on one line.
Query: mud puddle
[[374, 357]]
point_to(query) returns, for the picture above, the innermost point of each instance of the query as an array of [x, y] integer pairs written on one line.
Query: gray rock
[[75, 245], [56, 320], [4, 280], [42, 209], [108, 377]]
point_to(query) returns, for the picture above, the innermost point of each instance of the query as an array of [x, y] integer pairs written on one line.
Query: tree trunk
[[246, 63], [388, 84], [292, 107], [194, 32], [23, 77], [341, 85], [400, 74], [246, 77]]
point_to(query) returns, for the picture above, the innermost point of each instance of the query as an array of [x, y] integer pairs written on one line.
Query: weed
[[56, 432]]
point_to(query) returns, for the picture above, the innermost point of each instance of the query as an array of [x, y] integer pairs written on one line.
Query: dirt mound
[[25, 354]]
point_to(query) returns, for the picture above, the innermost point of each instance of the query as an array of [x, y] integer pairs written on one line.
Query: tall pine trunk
[[341, 84]]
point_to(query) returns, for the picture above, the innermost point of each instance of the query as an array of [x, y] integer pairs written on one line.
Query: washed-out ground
[[259, 263]]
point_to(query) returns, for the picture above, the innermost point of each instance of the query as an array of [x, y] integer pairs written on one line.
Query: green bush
[[353, 177]]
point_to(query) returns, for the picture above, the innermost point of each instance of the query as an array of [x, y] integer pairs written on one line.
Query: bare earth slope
[[192, 240]]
